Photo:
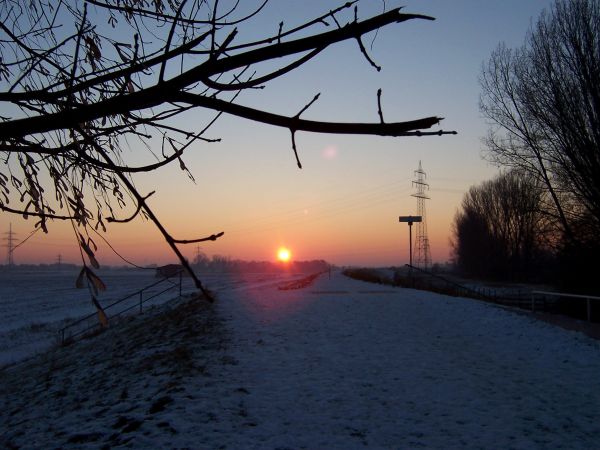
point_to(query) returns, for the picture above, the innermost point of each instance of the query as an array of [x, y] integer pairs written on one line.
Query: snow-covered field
[[340, 364], [35, 305]]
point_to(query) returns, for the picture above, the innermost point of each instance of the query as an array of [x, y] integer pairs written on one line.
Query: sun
[[283, 254]]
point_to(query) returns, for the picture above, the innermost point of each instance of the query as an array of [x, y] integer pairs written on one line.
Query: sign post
[[410, 220]]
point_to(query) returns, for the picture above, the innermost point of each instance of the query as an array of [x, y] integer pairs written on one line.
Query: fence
[[588, 300], [552, 302], [418, 278], [135, 300]]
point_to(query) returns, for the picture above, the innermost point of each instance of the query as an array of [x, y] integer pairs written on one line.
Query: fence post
[[180, 277], [141, 294], [589, 309]]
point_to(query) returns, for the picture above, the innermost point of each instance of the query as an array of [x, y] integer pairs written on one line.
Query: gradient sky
[[343, 206]]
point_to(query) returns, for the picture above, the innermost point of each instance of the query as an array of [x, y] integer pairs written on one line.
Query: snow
[[35, 305], [338, 364]]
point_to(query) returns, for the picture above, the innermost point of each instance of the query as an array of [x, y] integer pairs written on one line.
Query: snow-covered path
[[346, 364], [340, 364]]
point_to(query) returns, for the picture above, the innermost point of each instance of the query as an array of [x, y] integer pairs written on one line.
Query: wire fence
[[584, 307], [152, 294]]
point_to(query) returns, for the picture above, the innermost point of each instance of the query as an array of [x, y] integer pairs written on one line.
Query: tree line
[[218, 263], [540, 218]]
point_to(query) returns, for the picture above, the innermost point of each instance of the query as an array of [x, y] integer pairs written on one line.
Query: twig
[[316, 97], [366, 55], [295, 149], [137, 211], [379, 106], [212, 237]]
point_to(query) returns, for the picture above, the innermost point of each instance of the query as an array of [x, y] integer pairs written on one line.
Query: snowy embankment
[[339, 364], [35, 305]]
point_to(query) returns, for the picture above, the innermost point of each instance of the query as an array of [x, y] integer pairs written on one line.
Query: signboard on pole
[[410, 219]]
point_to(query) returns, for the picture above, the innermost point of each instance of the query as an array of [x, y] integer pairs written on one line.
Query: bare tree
[[543, 103], [81, 79], [499, 230]]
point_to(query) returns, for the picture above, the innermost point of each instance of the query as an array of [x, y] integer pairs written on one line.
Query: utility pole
[[59, 260], [10, 245], [410, 220], [423, 254]]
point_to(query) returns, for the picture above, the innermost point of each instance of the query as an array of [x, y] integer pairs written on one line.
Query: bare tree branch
[[295, 123]]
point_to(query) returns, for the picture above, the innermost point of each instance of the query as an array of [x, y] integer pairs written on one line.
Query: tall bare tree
[[543, 103], [81, 79], [499, 230]]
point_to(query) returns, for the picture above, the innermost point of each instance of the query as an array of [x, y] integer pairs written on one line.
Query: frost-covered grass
[[338, 364]]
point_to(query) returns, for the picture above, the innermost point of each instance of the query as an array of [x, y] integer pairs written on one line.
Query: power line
[[26, 239], [330, 208]]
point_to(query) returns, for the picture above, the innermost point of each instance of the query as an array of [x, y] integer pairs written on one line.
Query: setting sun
[[283, 254]]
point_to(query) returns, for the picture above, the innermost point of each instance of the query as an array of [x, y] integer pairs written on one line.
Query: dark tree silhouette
[[499, 230], [543, 102], [81, 79]]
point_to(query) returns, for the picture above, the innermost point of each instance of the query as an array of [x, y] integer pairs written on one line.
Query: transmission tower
[[422, 253], [10, 244]]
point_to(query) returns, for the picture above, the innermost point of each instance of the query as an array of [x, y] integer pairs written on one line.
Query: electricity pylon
[[10, 241], [422, 252]]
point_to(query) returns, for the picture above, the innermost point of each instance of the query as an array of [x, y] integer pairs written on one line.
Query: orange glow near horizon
[[331, 217], [323, 239], [283, 254], [343, 206]]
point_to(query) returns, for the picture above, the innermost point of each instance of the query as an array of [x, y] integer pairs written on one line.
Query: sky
[[343, 206]]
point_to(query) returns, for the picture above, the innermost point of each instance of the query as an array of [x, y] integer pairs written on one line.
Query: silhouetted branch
[[26, 213], [301, 45], [295, 123], [265, 78], [379, 106], [136, 212], [50, 96], [140, 200], [174, 24], [366, 55], [212, 237], [295, 149], [168, 18], [304, 26], [316, 97], [158, 94]]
